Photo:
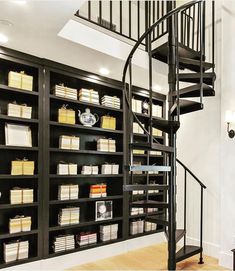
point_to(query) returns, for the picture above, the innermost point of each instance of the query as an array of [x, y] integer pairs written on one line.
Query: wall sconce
[[230, 118]]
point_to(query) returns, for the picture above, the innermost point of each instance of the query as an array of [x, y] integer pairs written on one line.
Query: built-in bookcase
[[46, 131]]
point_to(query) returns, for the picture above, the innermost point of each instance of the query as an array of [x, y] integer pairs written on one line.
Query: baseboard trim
[[226, 259], [64, 262], [210, 249]]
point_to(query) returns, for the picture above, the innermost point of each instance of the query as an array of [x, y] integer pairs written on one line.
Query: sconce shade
[[229, 116]]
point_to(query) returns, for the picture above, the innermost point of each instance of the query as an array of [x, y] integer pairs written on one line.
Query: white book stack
[[16, 251], [90, 170], [137, 211], [148, 226], [84, 239], [111, 101], [110, 169], [68, 216], [64, 242], [108, 232], [68, 192], [157, 111], [89, 96], [137, 227]]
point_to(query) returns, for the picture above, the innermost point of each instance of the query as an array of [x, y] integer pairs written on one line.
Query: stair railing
[[202, 187]]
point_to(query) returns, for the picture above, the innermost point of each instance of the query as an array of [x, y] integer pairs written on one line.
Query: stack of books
[[137, 211], [67, 169], [108, 232], [22, 167], [106, 145], [137, 192], [157, 111], [109, 169], [86, 238], [68, 216], [90, 170], [20, 80], [108, 122], [20, 224], [98, 190], [137, 227], [148, 226], [19, 111], [89, 96], [151, 210], [16, 251], [111, 101], [136, 106], [66, 115], [68, 192], [65, 92], [69, 142], [63, 243], [137, 129], [21, 196]]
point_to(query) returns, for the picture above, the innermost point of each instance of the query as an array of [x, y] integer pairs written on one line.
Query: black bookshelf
[[46, 153]]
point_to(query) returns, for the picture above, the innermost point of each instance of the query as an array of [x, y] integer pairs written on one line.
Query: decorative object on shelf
[[230, 118], [86, 238], [98, 190], [90, 170], [136, 227], [157, 132], [20, 224], [69, 216], [19, 111], [108, 232], [64, 168], [68, 192], [108, 122], [137, 129], [157, 111], [149, 226], [136, 106], [16, 250], [89, 96], [111, 101], [65, 92], [138, 152], [104, 210], [87, 118], [21, 195], [20, 80], [106, 145], [69, 142], [137, 211], [18, 135], [66, 115], [145, 107], [64, 242], [22, 167], [109, 169]]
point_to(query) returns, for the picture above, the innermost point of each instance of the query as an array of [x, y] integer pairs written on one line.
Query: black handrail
[[190, 172]]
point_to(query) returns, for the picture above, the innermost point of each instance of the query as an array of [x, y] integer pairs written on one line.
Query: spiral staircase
[[185, 65]]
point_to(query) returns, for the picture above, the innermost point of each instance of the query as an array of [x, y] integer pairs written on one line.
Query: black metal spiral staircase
[[185, 50]]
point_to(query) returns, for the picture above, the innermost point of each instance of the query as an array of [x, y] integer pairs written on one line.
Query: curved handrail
[[190, 172], [144, 35]]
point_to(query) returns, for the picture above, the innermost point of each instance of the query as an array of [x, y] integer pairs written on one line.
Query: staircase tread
[[145, 187], [194, 64], [186, 106], [166, 126], [179, 234], [148, 168], [147, 146], [187, 252], [195, 91], [208, 77]]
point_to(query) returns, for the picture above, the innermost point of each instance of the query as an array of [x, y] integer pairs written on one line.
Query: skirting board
[[61, 263], [226, 259]]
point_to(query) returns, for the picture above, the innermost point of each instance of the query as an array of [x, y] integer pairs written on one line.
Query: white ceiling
[[35, 31]]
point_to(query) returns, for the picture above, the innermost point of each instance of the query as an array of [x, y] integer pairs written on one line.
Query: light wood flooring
[[149, 258]]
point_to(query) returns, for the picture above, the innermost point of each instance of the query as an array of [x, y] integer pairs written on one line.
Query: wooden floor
[[149, 258]]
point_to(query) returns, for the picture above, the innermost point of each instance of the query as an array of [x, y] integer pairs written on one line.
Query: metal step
[[148, 168], [159, 219], [179, 234], [151, 147], [187, 252], [208, 78], [194, 65], [144, 187], [149, 204], [161, 52], [195, 91], [166, 126], [186, 106]]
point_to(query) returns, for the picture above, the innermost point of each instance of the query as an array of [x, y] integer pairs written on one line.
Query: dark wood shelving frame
[[45, 178]]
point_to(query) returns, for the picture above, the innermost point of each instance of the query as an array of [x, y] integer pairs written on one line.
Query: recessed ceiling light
[[3, 38], [20, 2], [104, 71]]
